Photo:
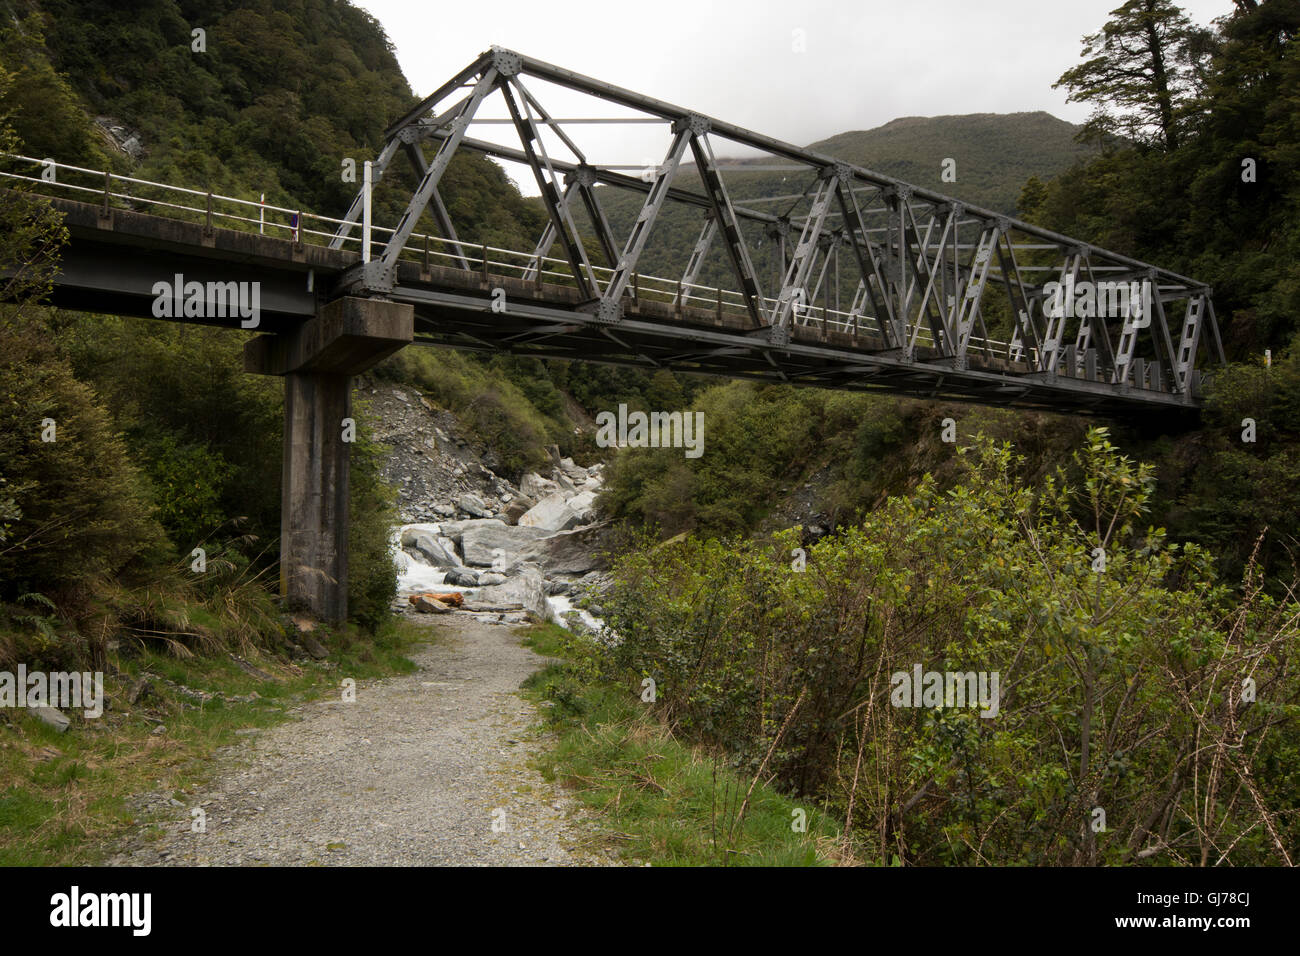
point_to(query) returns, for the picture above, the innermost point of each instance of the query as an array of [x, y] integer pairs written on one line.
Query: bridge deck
[[114, 260]]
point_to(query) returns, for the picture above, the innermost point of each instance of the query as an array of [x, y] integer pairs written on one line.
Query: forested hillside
[[993, 154]]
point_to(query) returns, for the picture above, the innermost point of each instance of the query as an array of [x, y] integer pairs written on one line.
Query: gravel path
[[418, 771]]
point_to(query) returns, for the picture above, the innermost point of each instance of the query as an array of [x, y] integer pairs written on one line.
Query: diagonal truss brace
[[968, 305], [544, 173], [697, 256], [440, 214], [353, 215], [727, 222], [871, 266], [610, 307], [793, 296]]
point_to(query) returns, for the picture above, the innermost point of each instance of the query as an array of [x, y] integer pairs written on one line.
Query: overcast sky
[[863, 62]]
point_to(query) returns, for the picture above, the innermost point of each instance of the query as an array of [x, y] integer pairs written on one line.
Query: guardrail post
[[108, 178], [365, 212], [207, 226], [719, 305], [636, 288], [426, 254], [677, 302]]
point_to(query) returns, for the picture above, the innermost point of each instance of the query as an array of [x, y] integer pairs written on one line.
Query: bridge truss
[[903, 275]]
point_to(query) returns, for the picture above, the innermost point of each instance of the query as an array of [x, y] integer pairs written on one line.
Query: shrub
[[1121, 671]]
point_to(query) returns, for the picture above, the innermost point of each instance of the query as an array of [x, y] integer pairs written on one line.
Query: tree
[[1141, 73]]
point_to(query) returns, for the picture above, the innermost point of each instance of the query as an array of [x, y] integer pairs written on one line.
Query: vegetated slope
[[995, 154], [278, 98]]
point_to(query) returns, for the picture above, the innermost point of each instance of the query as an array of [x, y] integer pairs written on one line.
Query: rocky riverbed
[[513, 551]]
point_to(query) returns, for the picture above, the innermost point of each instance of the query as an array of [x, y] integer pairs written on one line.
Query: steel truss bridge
[[862, 282]]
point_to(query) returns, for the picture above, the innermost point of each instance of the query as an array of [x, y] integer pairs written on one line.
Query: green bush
[[1121, 682], [372, 513], [80, 511]]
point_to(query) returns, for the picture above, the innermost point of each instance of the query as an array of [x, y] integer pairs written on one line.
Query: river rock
[[572, 552], [551, 513], [441, 553], [536, 487], [411, 533], [583, 506], [462, 577], [473, 504], [483, 542], [527, 588], [575, 471], [514, 511], [455, 530]]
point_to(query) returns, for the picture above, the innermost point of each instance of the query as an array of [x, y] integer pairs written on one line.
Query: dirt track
[[414, 773]]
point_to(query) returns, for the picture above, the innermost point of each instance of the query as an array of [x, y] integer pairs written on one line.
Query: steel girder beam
[[440, 214], [940, 315], [968, 304], [1190, 339], [697, 256], [1164, 343], [586, 180], [412, 115], [794, 286], [871, 273], [1022, 307], [544, 244], [1058, 315], [581, 181]]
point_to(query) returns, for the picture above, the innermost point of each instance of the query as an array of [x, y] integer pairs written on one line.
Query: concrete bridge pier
[[318, 359]]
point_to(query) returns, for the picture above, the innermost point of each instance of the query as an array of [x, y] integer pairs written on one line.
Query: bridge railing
[[115, 190]]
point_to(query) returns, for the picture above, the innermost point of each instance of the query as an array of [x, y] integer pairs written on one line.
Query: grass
[[663, 801], [66, 799]]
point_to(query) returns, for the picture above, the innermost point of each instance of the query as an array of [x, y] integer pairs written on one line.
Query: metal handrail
[[650, 286]]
